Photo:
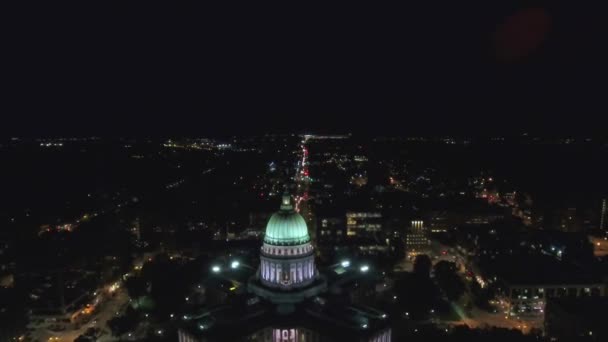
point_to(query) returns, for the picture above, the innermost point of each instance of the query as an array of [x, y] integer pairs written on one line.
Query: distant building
[[58, 296], [526, 283], [7, 262], [368, 247], [604, 215], [331, 230], [417, 238], [136, 230], [257, 220], [439, 222], [568, 319], [363, 223], [568, 219]]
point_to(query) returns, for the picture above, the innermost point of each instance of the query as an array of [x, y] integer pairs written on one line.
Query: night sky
[[420, 69]]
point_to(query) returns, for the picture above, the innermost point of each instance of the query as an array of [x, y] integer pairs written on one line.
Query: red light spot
[[522, 33]]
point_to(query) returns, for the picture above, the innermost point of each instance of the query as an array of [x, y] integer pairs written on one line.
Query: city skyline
[[423, 172]]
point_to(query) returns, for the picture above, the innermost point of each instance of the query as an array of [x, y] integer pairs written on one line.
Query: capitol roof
[[286, 227]]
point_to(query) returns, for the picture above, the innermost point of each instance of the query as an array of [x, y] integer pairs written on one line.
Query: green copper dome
[[286, 227]]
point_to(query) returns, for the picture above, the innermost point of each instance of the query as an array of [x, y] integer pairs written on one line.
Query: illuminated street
[[98, 319]]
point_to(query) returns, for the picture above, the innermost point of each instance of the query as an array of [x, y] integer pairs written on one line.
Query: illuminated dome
[[287, 260], [286, 227]]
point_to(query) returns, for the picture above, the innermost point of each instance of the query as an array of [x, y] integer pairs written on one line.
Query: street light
[[216, 269], [345, 263], [364, 268], [235, 264]]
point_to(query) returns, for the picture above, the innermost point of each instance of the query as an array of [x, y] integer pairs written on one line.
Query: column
[[310, 269], [271, 269], [262, 269], [300, 272]]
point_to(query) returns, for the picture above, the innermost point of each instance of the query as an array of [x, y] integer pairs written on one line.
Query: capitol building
[[287, 299], [287, 273]]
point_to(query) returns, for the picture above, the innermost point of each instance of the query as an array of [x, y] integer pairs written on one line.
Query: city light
[[235, 264], [364, 268], [113, 287], [216, 269], [345, 263]]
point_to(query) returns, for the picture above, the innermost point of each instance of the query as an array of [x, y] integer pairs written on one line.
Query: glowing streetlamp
[[364, 269], [345, 263], [216, 269], [235, 264]]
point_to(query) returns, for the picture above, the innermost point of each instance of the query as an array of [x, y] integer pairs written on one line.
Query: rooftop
[[535, 270], [286, 227]]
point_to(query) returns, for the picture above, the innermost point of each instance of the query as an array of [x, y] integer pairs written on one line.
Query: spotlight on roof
[[364, 268], [345, 263], [216, 269], [234, 264]]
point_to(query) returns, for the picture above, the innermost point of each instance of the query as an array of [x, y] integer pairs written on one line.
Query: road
[[479, 319], [99, 319], [301, 196]]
